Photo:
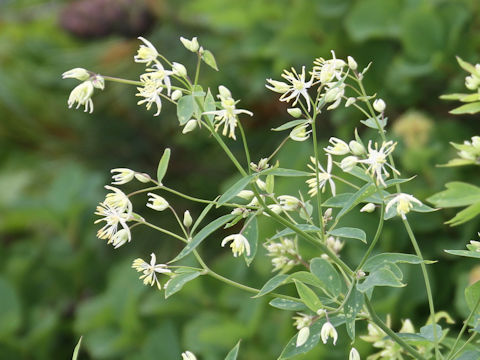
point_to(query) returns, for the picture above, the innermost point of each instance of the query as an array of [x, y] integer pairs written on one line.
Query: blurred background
[[58, 281]]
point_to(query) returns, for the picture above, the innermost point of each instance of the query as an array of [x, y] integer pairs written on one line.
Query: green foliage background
[[57, 281]]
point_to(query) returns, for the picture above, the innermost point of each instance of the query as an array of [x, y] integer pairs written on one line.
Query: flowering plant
[[331, 292]]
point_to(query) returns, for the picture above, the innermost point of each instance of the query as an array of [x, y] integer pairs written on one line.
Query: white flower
[[328, 331], [77, 73], [300, 133], [347, 164], [302, 320], [82, 95], [239, 244], [379, 105], [323, 177], [327, 70], [179, 69], [284, 255], [150, 270], [191, 45], [122, 176], [120, 238], [228, 115], [337, 147], [302, 336], [150, 91], [295, 112], [188, 355], [289, 203], [176, 94], [160, 76], [404, 204], [115, 210], [158, 203], [354, 355], [146, 54], [298, 86], [377, 161]]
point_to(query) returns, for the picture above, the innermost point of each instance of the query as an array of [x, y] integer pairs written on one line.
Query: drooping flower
[[300, 133], [377, 161], [328, 70], [404, 204], [298, 87], [289, 203], [77, 73], [150, 271], [82, 96], [115, 210], [239, 244], [122, 176], [354, 355], [337, 147], [150, 91], [188, 355], [146, 54], [156, 202], [228, 115], [323, 177], [328, 330]]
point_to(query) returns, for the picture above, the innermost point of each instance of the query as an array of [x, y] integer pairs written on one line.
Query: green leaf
[[209, 105], [467, 67], [209, 59], [353, 305], [380, 277], [304, 227], [427, 332], [457, 194], [185, 108], [289, 125], [465, 215], [349, 232], [466, 253], [272, 284], [270, 183], [308, 296], [10, 310], [232, 355], [176, 283], [287, 304], [380, 260], [234, 190], [364, 192], [456, 96], [202, 235], [251, 234], [306, 278], [326, 273], [371, 123], [77, 349], [202, 216], [470, 108], [163, 165], [286, 172], [469, 355], [472, 296]]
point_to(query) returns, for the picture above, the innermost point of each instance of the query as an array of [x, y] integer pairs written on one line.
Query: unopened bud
[[350, 101], [179, 69], [191, 45], [224, 92], [295, 112], [142, 177], [348, 163], [245, 194], [189, 126], [379, 105], [77, 73], [187, 219], [261, 184], [352, 64], [356, 148], [176, 94], [368, 208], [302, 336]]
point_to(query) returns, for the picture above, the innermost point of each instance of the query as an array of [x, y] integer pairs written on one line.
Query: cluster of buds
[[302, 322], [283, 253], [262, 165], [82, 94], [335, 245]]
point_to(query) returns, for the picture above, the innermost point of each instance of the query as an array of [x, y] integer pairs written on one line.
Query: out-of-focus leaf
[[209, 59], [465, 215], [77, 349], [287, 304], [472, 295], [232, 355], [163, 165], [457, 194], [185, 108], [471, 108], [10, 311], [234, 190], [251, 234]]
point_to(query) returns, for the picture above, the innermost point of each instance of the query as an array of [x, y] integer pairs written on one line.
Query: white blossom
[[156, 202], [122, 176], [150, 271], [146, 54], [324, 176], [328, 330], [239, 244], [377, 161], [404, 204], [298, 87], [337, 147]]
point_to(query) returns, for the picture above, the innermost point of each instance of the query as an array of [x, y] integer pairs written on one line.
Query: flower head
[[377, 161], [298, 86], [82, 95], [283, 254], [328, 330], [122, 176], [300, 133], [328, 70], [146, 54], [228, 115], [239, 244], [337, 147], [354, 355], [150, 271], [191, 45], [150, 91], [158, 203], [404, 204], [323, 177]]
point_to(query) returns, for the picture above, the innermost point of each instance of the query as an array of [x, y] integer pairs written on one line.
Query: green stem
[[122, 81], [245, 145], [470, 339], [464, 327], [319, 195], [375, 239], [164, 231], [390, 332]]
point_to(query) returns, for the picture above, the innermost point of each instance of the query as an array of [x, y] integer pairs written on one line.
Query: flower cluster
[[82, 94], [283, 253]]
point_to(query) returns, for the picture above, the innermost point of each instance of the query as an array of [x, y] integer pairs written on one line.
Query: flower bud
[[289, 203], [277, 86], [295, 112], [187, 219], [379, 105], [328, 331], [476, 142], [224, 92], [98, 81], [302, 336], [176, 94], [189, 126], [179, 69], [352, 64], [142, 177], [354, 355], [188, 355], [245, 194], [368, 208], [191, 45], [350, 101], [356, 148], [337, 147], [300, 133], [77, 73], [261, 184]]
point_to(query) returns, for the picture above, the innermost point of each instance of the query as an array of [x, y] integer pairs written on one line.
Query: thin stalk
[[164, 231], [319, 195], [375, 239], [464, 327], [390, 332], [123, 81], [470, 339], [180, 223], [245, 145]]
